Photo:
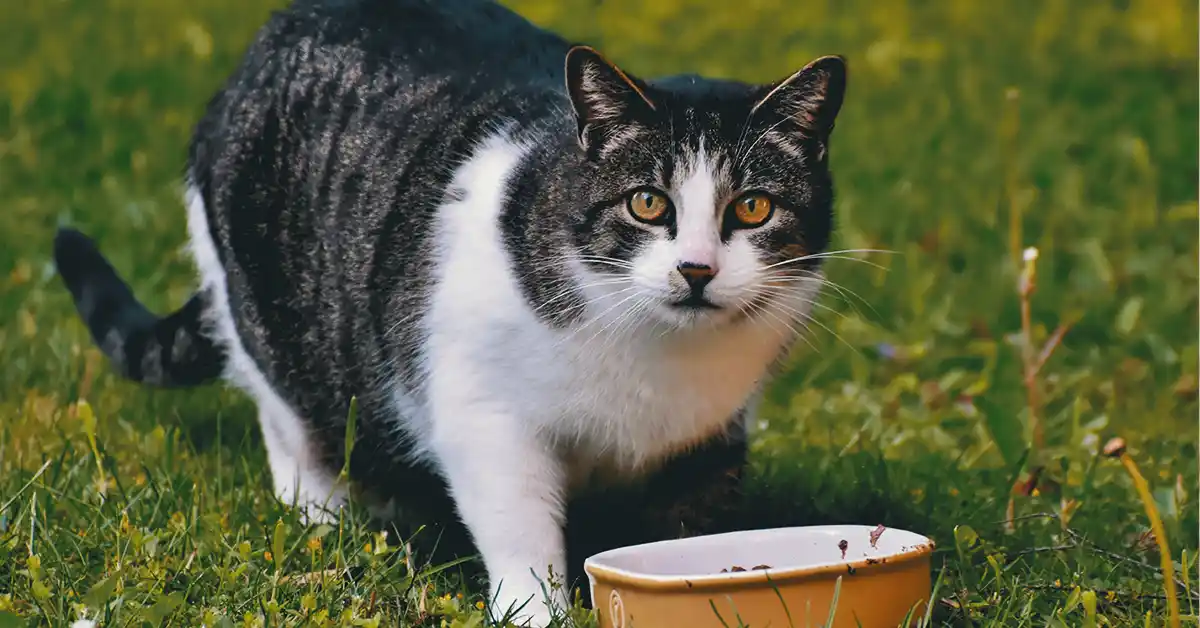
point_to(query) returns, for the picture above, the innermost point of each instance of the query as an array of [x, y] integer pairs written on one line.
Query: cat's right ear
[[604, 98], [812, 97]]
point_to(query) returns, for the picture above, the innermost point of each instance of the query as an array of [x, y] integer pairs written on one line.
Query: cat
[[536, 272]]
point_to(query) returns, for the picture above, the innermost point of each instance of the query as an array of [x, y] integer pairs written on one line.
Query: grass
[[972, 130]]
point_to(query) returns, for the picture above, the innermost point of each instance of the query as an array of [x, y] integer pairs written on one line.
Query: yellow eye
[[753, 210], [648, 206]]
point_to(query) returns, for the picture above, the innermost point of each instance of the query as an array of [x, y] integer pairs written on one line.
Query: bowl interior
[[778, 549]]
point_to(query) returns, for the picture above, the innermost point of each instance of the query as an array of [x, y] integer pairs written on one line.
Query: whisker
[[750, 274], [884, 251], [626, 319], [784, 292], [604, 258], [566, 264], [818, 323], [830, 255], [595, 318], [606, 263], [825, 254], [749, 310], [568, 291], [790, 327], [583, 304], [617, 325], [842, 291]]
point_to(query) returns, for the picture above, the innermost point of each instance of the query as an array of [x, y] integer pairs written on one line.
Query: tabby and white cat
[[536, 272]]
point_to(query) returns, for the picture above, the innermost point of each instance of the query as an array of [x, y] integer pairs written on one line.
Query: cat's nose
[[696, 275]]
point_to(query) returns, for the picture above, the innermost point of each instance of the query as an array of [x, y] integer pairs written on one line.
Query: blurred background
[[972, 129]]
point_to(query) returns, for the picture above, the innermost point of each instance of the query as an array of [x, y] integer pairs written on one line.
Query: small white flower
[[1031, 254], [83, 623]]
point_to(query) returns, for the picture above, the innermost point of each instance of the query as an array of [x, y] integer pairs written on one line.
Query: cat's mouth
[[694, 302]]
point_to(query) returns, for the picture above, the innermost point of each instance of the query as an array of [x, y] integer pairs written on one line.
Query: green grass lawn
[[972, 129]]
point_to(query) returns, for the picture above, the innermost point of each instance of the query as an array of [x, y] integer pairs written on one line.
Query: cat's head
[[709, 198]]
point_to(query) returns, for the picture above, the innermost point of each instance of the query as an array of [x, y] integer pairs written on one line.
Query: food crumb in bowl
[[876, 533], [843, 545], [740, 569]]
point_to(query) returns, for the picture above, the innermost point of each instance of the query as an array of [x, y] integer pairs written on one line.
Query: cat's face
[[706, 200]]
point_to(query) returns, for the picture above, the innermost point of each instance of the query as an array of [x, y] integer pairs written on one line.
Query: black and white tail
[[170, 351]]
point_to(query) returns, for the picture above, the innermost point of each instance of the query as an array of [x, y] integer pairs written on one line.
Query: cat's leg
[[299, 476], [699, 491], [297, 473], [508, 489]]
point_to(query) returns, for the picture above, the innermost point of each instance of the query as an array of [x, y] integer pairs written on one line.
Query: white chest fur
[[632, 400], [616, 393]]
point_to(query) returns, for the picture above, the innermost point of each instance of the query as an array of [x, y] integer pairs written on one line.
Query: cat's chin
[[687, 316]]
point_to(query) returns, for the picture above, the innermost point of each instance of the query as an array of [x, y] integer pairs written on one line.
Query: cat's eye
[[752, 210], [648, 206]]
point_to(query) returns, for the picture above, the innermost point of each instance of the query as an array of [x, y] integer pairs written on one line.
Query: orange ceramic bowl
[[789, 579]]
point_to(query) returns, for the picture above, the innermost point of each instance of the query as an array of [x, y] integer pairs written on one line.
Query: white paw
[[534, 614], [525, 604]]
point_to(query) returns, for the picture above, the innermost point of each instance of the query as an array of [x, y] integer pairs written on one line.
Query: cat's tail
[[170, 351]]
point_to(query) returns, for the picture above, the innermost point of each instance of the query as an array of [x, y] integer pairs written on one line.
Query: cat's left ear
[[604, 98], [812, 96]]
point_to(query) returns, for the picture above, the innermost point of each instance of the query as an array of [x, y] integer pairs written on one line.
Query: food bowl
[[757, 578]]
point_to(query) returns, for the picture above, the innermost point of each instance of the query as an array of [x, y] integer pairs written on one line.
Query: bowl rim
[[597, 571]]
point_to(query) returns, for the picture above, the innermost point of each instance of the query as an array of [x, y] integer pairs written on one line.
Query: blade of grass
[[837, 591], [1116, 448]]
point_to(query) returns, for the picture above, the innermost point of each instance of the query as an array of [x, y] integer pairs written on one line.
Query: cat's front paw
[[524, 602]]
